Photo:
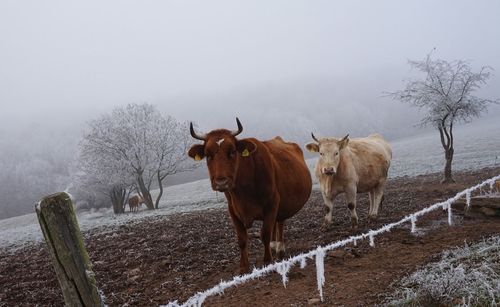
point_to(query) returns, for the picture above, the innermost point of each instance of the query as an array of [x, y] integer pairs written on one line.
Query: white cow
[[352, 166]]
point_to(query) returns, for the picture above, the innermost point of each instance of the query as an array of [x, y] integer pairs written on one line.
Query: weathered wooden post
[[68, 254]]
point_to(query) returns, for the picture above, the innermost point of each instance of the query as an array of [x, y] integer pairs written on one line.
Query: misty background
[[283, 67]]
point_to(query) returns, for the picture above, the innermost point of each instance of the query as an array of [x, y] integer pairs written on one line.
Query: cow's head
[[223, 153], [329, 152]]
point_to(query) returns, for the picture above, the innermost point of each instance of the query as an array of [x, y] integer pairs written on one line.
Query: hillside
[[168, 257]]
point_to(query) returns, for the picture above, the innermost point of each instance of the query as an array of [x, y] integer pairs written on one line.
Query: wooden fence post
[[68, 254]]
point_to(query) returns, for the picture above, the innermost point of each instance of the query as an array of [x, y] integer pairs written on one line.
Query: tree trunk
[[160, 185], [447, 167], [118, 200], [66, 249], [145, 192]]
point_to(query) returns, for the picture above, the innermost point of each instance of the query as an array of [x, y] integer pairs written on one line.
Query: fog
[[283, 67]]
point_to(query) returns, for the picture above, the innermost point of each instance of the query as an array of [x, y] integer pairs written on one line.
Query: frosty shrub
[[467, 276]]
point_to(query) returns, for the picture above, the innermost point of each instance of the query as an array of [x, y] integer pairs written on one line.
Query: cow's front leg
[[241, 233], [243, 244], [351, 204], [328, 200]]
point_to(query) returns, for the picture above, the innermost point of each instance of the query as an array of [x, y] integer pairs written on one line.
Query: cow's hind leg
[[280, 244], [274, 238], [268, 225], [371, 196], [265, 235], [378, 196]]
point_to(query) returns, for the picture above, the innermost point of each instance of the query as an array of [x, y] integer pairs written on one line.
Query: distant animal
[[351, 166], [262, 180], [135, 202]]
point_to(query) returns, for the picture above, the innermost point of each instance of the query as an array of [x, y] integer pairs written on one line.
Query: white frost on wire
[[320, 270], [284, 266], [467, 199], [413, 223], [372, 241], [303, 263], [449, 213]]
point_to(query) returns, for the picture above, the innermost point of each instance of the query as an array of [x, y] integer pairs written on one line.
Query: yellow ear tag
[[245, 153], [197, 158]]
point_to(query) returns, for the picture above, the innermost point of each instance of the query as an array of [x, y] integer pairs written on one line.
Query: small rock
[[313, 301], [166, 262], [135, 271]]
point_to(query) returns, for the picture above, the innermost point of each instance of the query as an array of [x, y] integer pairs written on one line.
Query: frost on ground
[[415, 155], [467, 276], [23, 230]]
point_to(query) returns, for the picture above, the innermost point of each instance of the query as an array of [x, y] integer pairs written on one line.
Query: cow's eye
[[232, 154], [320, 153], [209, 157], [337, 153]]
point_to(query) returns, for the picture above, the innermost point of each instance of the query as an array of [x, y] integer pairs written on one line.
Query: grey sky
[[85, 57]]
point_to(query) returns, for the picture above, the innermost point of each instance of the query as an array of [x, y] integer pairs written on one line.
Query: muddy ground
[[171, 258]]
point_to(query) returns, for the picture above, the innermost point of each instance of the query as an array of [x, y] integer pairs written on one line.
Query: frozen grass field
[[467, 276], [476, 146]]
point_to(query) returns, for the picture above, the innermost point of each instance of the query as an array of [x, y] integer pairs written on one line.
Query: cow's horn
[[202, 137], [314, 138], [345, 137], [240, 128]]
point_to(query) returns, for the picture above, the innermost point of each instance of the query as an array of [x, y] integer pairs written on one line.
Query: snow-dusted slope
[[198, 195], [476, 146]]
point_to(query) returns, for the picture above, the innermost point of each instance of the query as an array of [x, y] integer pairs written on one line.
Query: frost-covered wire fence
[[283, 267]]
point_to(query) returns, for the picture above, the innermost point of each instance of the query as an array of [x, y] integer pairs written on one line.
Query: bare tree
[[134, 147], [447, 94]]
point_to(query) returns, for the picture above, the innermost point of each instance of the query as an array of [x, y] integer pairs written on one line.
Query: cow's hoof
[[280, 254], [354, 224], [244, 271], [268, 260]]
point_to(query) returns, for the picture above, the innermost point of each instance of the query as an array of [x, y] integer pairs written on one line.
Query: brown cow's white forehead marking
[[220, 141]]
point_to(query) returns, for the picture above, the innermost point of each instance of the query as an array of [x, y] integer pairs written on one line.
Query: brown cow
[[266, 181], [135, 202]]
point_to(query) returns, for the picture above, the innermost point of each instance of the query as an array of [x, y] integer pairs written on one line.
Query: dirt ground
[[164, 259]]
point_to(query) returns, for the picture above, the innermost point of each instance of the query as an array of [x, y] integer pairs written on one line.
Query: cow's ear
[[343, 143], [197, 152], [245, 147], [312, 147]]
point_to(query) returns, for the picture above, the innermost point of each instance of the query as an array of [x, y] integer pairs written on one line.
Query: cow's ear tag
[[197, 157], [245, 153]]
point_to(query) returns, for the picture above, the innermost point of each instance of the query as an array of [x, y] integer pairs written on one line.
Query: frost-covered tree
[[447, 93], [133, 147]]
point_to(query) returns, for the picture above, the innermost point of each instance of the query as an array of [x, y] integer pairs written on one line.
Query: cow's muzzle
[[329, 171], [222, 184]]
